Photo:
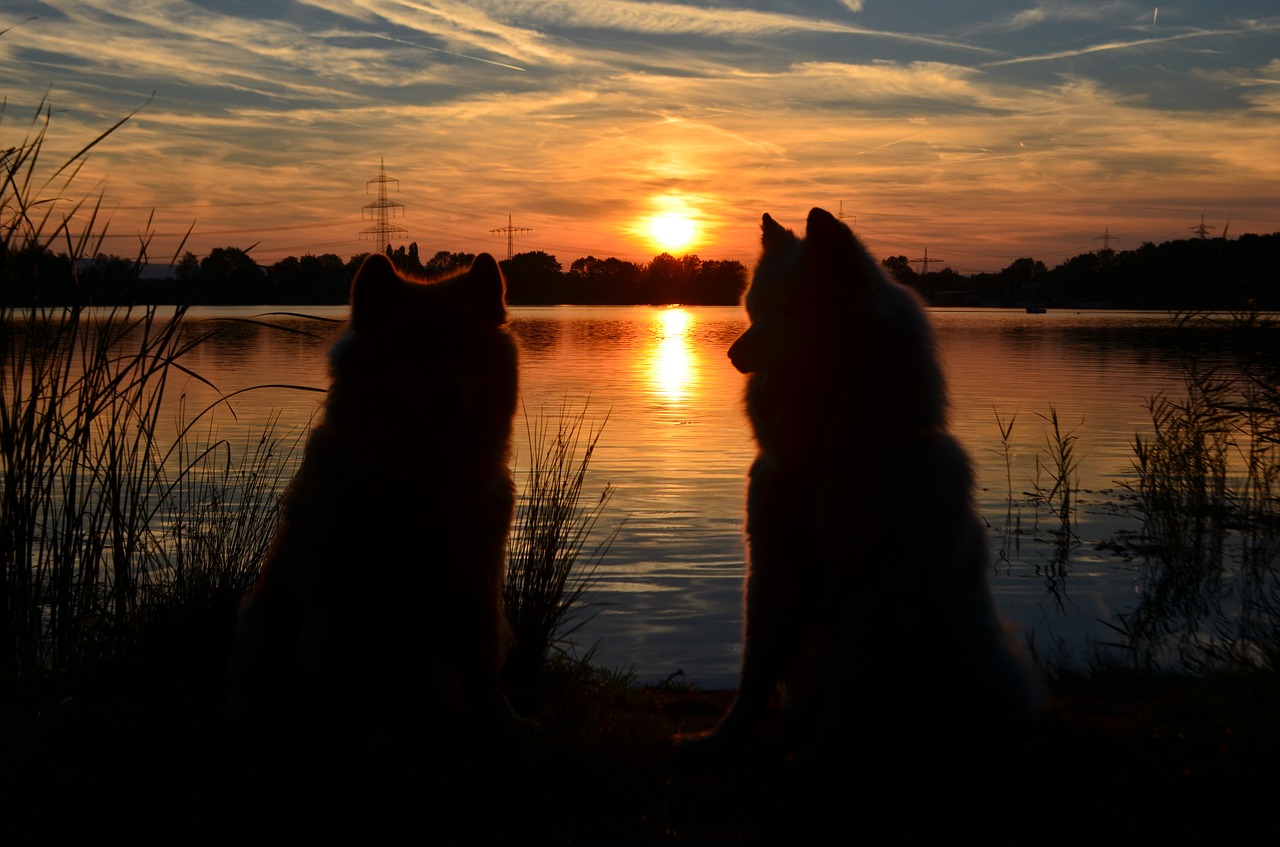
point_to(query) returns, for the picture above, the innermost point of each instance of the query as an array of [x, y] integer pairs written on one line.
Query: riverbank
[[1117, 759]]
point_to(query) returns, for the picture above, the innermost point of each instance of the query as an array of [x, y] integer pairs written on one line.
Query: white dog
[[866, 595]]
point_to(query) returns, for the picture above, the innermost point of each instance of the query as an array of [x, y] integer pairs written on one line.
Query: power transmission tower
[[1203, 230], [511, 231], [925, 262], [381, 211], [841, 215], [1106, 238]]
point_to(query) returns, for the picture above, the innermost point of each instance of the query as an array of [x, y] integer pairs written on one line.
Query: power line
[[381, 211]]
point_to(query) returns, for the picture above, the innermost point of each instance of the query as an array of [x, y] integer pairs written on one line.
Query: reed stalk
[[104, 519], [551, 564], [1010, 537], [1207, 493]]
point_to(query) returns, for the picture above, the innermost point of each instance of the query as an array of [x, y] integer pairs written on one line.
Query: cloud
[[573, 115], [1108, 46], [679, 19], [471, 27], [1073, 12]]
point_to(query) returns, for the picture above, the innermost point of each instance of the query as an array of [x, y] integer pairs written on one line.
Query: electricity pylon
[[511, 231], [381, 211], [1106, 238], [852, 227], [925, 262], [1204, 229]]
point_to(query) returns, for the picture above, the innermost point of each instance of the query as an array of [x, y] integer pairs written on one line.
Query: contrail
[[447, 52], [889, 143]]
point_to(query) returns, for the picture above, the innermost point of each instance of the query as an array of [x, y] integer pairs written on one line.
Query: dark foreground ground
[[143, 756]]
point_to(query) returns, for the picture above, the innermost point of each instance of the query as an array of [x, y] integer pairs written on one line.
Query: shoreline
[[1116, 756]]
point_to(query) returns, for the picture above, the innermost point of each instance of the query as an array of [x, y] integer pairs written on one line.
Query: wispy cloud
[[1061, 12], [679, 19], [1135, 43], [1027, 128]]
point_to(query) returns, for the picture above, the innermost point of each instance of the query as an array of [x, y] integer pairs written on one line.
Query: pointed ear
[[822, 224], [486, 289], [828, 236], [773, 234], [375, 289], [832, 249]]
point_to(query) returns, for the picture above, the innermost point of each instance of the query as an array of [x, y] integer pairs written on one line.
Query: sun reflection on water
[[671, 364]]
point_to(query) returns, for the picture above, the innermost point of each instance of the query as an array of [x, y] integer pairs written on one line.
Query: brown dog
[[380, 600]]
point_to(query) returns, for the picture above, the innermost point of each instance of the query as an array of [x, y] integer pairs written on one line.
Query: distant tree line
[[230, 276], [537, 278], [1194, 273], [1186, 274]]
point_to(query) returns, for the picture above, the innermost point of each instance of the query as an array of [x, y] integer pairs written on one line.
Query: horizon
[[159, 270], [1021, 130]]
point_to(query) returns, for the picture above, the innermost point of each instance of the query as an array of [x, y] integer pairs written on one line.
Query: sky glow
[[983, 132]]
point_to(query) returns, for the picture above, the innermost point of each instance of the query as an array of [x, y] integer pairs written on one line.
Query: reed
[[1207, 492], [1052, 495], [213, 531], [118, 532], [1011, 532], [552, 559], [108, 522], [1055, 493]]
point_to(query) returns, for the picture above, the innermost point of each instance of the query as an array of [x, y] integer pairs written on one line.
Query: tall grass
[[1056, 484], [1207, 492], [1012, 529], [1052, 496], [107, 522], [213, 530], [126, 522], [550, 564]]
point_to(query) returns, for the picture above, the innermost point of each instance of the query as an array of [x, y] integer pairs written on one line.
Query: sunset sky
[[980, 131]]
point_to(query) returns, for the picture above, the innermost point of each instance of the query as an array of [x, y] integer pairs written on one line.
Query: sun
[[672, 231]]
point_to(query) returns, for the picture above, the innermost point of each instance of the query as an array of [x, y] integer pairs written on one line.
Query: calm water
[[676, 448]]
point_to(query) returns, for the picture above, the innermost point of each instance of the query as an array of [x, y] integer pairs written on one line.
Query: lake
[[676, 447]]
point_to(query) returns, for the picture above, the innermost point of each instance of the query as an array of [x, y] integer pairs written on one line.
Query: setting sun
[[672, 231]]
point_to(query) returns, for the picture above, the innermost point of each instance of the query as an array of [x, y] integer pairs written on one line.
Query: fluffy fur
[[866, 594], [379, 603]]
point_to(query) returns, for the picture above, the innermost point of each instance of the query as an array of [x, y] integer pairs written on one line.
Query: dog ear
[[773, 234], [486, 289], [831, 247], [822, 226], [375, 289]]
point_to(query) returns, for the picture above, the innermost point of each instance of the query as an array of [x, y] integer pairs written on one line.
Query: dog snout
[[738, 354]]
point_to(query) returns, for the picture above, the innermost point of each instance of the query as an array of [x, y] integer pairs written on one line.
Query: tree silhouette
[[720, 282], [899, 267], [607, 281], [313, 280], [33, 275], [229, 275], [406, 260], [533, 277], [1194, 273], [444, 263], [108, 279], [663, 278]]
